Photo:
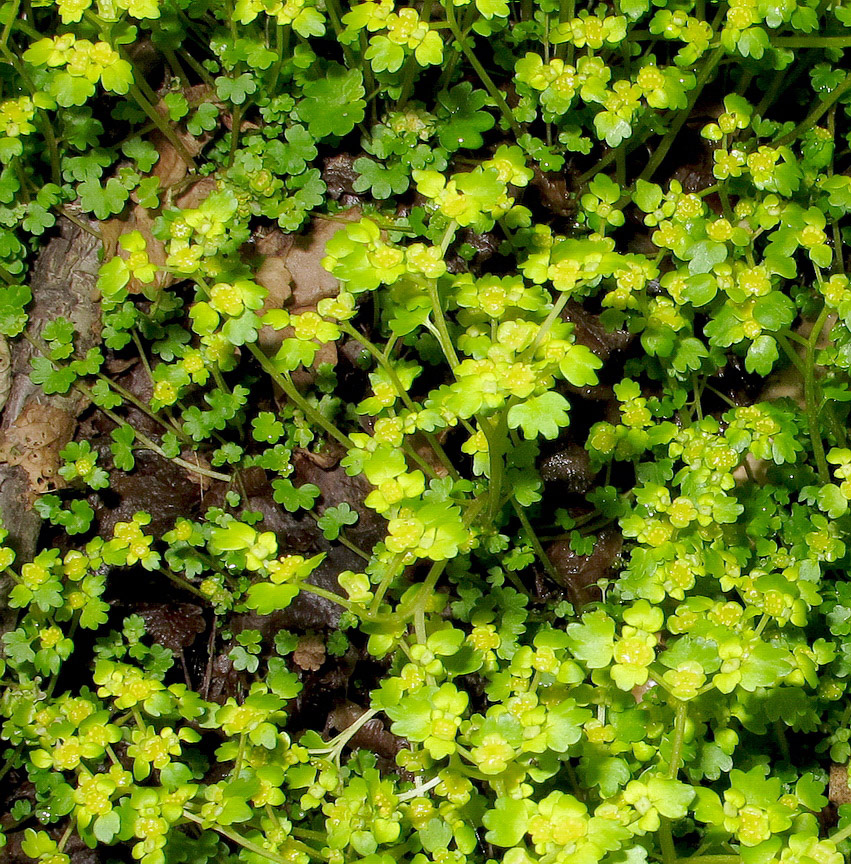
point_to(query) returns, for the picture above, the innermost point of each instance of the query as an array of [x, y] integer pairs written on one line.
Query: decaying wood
[[33, 426]]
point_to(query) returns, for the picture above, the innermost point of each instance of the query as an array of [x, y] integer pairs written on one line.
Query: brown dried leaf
[[5, 371], [310, 654], [172, 625], [570, 467], [590, 331], [172, 170], [34, 442], [579, 574], [339, 174], [839, 792], [311, 282]]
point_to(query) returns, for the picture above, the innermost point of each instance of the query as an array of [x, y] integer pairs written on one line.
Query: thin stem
[[666, 841], [176, 66], [236, 123], [393, 570], [710, 859], [811, 398], [496, 464], [388, 368], [494, 91], [138, 404], [837, 838], [816, 114], [411, 64], [680, 719], [80, 223], [811, 41], [13, 14], [332, 7], [536, 543], [284, 381], [544, 329], [183, 584], [662, 150], [152, 445], [328, 595], [440, 325], [46, 127], [251, 846], [161, 124]]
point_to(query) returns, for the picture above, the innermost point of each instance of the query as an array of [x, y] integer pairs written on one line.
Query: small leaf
[[265, 598]]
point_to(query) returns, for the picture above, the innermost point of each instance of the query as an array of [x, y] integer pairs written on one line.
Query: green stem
[[393, 570], [13, 14], [565, 13], [782, 742], [496, 464], [328, 595], [176, 66], [236, 123], [411, 64], [45, 126], [183, 584], [837, 838], [811, 41], [440, 326], [544, 329], [680, 718], [83, 226], [332, 7], [382, 361], [155, 117], [199, 70], [710, 859], [282, 46], [251, 846], [140, 406], [152, 445], [811, 398], [284, 381], [536, 543], [816, 114], [666, 841], [665, 144], [494, 91]]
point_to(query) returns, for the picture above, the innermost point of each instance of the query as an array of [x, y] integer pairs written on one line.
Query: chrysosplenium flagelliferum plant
[[694, 709]]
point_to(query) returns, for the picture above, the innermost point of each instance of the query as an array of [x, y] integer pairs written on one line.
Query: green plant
[[692, 709]]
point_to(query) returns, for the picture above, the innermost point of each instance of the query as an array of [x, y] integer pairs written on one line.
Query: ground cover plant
[[454, 465]]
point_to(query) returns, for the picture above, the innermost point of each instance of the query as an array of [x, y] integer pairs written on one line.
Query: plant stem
[[155, 117], [183, 583], [13, 14], [666, 841], [816, 114], [811, 41], [46, 127], [710, 859], [284, 381], [486, 79], [680, 718], [236, 123], [810, 396], [139, 405], [838, 837], [440, 326], [251, 846], [411, 64], [665, 144], [382, 361], [536, 543], [152, 445]]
